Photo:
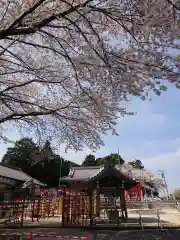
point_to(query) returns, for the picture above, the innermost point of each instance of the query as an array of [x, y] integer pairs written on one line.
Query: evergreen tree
[[40, 163]]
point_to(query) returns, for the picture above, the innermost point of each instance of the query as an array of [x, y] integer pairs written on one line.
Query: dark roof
[[17, 175], [78, 174]]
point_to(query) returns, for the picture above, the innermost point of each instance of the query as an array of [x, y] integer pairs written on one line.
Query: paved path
[[70, 234]]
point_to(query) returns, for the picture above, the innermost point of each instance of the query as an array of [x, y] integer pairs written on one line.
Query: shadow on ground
[[53, 234], [139, 235], [146, 220]]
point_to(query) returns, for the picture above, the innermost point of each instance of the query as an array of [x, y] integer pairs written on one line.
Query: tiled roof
[[16, 175], [83, 173], [89, 173], [126, 172]]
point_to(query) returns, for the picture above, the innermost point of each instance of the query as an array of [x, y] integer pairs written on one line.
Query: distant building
[[11, 178]]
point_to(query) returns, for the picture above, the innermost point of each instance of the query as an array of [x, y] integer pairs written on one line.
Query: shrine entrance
[[95, 200], [112, 206]]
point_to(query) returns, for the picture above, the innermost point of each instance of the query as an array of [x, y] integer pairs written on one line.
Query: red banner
[[134, 194]]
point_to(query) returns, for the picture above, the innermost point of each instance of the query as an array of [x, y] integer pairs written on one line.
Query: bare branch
[[10, 31]]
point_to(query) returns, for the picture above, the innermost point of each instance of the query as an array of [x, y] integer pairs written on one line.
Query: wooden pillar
[[74, 209], [65, 212], [33, 209], [91, 205], [23, 209], [123, 201], [98, 207], [49, 207]]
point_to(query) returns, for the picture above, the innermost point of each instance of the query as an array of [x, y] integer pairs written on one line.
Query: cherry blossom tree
[[68, 66]]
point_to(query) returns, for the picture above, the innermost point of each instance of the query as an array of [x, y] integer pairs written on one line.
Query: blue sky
[[152, 135]]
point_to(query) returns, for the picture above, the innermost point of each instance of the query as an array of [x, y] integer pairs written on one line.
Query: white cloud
[[164, 160], [170, 164], [146, 121], [145, 114]]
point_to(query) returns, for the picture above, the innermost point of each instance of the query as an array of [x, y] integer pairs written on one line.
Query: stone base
[[113, 215]]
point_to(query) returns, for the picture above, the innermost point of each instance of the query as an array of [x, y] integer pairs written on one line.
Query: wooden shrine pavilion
[[101, 182]]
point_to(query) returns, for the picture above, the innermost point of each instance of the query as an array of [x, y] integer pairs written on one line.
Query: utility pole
[[118, 157]]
